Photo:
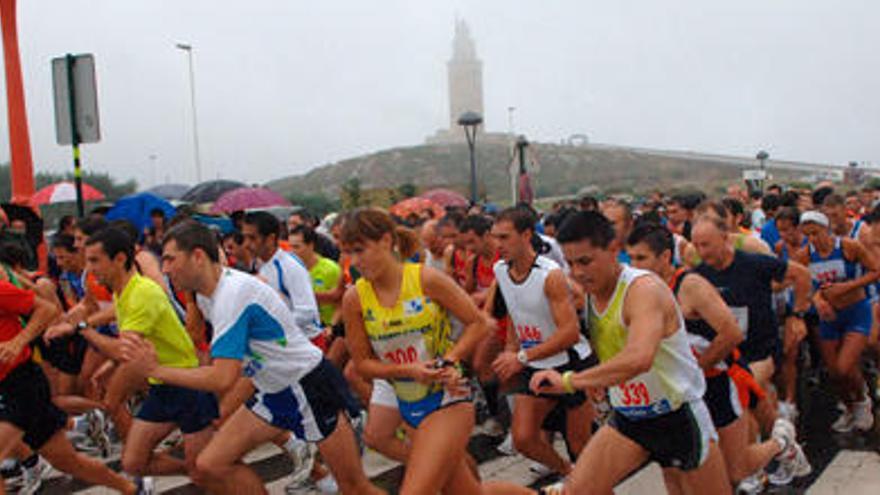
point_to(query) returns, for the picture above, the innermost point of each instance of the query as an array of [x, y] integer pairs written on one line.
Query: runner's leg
[[711, 476], [340, 452], [436, 460], [219, 465], [528, 416], [60, 454], [138, 457], [608, 458], [380, 433]]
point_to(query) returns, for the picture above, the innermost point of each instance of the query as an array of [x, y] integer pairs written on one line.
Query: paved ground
[[842, 464]]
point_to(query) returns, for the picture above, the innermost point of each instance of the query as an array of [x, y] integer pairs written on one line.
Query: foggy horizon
[[283, 87]]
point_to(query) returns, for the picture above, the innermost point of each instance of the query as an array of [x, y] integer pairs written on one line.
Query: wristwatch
[[522, 357], [799, 314], [80, 326]]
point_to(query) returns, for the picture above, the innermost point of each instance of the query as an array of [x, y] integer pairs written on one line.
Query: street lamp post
[[192, 93], [470, 121]]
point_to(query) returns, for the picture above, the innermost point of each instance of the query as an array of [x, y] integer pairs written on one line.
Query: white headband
[[816, 217]]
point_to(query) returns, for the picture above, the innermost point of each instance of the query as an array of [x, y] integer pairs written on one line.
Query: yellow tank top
[[414, 329]]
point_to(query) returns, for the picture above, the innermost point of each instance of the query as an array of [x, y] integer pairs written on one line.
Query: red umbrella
[[445, 197], [416, 205], [245, 198], [62, 192]]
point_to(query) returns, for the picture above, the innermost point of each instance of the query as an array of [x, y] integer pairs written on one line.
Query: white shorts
[[383, 394]]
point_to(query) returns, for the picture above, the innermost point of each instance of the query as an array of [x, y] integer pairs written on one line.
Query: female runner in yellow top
[[397, 328]]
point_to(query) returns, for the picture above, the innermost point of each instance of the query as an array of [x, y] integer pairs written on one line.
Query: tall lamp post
[[470, 121], [192, 93]]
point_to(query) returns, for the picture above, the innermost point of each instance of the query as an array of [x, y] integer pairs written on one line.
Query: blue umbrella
[[136, 209]]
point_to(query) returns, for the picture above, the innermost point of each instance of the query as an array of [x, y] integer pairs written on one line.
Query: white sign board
[[85, 99], [756, 174]]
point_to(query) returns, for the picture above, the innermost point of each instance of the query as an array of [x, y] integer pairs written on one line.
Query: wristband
[[566, 382]]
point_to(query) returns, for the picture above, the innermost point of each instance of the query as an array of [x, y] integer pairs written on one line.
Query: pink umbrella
[[245, 198], [445, 197], [62, 192], [416, 205]]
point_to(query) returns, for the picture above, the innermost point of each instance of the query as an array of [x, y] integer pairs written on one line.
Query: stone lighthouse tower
[[465, 76]]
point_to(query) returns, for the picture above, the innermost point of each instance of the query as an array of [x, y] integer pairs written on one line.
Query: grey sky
[[283, 86]]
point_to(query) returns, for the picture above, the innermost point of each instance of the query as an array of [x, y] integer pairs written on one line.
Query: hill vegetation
[[562, 171]]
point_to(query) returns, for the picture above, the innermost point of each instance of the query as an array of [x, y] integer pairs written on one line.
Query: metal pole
[[471, 137], [74, 135], [192, 92], [512, 170]]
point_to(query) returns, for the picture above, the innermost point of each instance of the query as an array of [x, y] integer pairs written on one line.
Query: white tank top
[[530, 313], [674, 377]]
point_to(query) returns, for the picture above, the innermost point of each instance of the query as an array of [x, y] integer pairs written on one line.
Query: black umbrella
[[208, 192], [169, 191]]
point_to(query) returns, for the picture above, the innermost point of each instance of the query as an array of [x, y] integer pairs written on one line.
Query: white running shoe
[[863, 415], [145, 485], [540, 469], [303, 458], [788, 411], [844, 423], [792, 464], [327, 484], [751, 485], [784, 432], [506, 447], [32, 478]]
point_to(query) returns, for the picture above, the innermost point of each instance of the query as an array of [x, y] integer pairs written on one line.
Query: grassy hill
[[564, 170]]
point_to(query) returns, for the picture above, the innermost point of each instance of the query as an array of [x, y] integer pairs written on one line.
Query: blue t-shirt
[[769, 232]]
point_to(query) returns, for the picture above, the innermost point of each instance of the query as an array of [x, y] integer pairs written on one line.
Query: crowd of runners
[[591, 338]]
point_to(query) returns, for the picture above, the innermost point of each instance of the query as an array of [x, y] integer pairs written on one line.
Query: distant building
[[465, 88]]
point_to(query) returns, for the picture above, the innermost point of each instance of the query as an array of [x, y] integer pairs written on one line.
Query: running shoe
[[8, 467], [493, 427], [32, 478], [784, 433], [506, 447], [863, 415], [327, 484], [302, 455], [540, 469], [145, 485], [97, 432], [844, 423], [788, 410], [554, 489], [792, 464], [358, 423], [752, 485]]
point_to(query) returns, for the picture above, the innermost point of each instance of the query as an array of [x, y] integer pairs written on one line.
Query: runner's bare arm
[[562, 308], [42, 314], [150, 268], [218, 377], [697, 293], [798, 277], [444, 290], [368, 365], [645, 311]]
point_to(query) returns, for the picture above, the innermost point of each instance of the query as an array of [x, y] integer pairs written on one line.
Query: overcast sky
[[283, 86]]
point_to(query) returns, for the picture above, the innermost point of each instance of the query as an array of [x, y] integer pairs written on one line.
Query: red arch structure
[[19, 138]]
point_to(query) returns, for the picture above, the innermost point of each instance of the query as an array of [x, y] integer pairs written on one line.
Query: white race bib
[[641, 397]]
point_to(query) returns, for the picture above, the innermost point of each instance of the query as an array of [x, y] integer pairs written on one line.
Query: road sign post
[[76, 109]]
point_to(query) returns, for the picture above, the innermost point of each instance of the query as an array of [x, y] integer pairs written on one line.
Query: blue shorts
[[416, 411], [310, 407], [191, 410], [854, 318]]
